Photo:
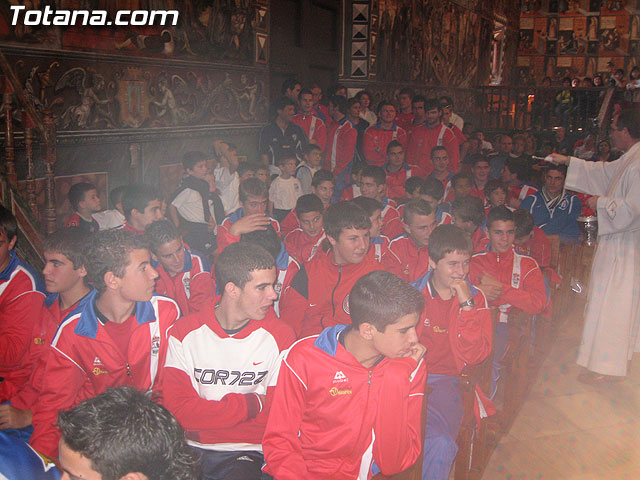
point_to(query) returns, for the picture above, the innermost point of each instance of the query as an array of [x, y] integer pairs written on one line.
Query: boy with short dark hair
[[285, 188], [507, 278], [373, 185], [440, 162], [303, 242], [184, 275], [312, 155], [118, 338], [352, 395], [84, 201], [495, 195], [20, 305], [318, 294], [65, 279], [468, 214], [398, 171], [456, 329], [141, 205], [222, 364], [432, 191], [251, 216]]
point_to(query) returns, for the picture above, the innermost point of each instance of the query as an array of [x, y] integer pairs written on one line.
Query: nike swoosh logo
[[256, 363]]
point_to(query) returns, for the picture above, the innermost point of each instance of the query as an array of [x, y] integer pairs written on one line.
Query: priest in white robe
[[612, 315]]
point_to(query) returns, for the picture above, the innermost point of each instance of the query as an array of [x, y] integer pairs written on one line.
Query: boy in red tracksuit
[[378, 243], [398, 171], [303, 242], [456, 329], [183, 275], [20, 306], [409, 257], [431, 134], [341, 138], [64, 276], [252, 216], [318, 294], [352, 395], [222, 364], [507, 278], [118, 338], [373, 185], [313, 127], [377, 137]]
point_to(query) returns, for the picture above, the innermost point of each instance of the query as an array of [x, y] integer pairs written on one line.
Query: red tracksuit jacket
[[391, 221], [407, 260], [331, 417], [20, 307], [396, 180], [453, 337], [375, 141], [190, 288], [83, 362], [301, 246], [341, 146], [313, 127], [522, 281], [211, 381], [42, 336], [318, 296], [423, 139]]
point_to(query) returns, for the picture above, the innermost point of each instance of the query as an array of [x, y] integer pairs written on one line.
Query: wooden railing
[[36, 133]]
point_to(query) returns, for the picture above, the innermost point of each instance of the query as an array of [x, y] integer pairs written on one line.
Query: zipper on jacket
[[370, 374], [333, 292], [128, 369]]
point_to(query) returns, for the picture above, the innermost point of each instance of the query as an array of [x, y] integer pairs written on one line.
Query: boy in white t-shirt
[[285, 189]]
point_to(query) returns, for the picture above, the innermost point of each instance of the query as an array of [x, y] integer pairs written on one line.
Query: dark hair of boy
[[458, 177], [267, 239], [343, 215], [138, 197], [289, 84], [446, 101], [340, 103], [516, 166], [412, 185], [499, 214], [191, 159], [446, 239], [283, 102], [437, 148], [116, 194], [493, 185], [109, 252], [160, 232], [122, 431], [376, 173], [72, 242], [244, 167], [558, 168], [360, 94], [432, 187], [236, 262], [77, 192], [352, 101], [407, 91], [285, 155], [308, 203], [414, 207], [524, 222], [469, 209], [431, 104], [381, 299], [369, 205], [418, 99], [477, 158], [310, 147], [385, 103], [252, 187], [305, 91], [322, 176], [394, 144], [8, 223]]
